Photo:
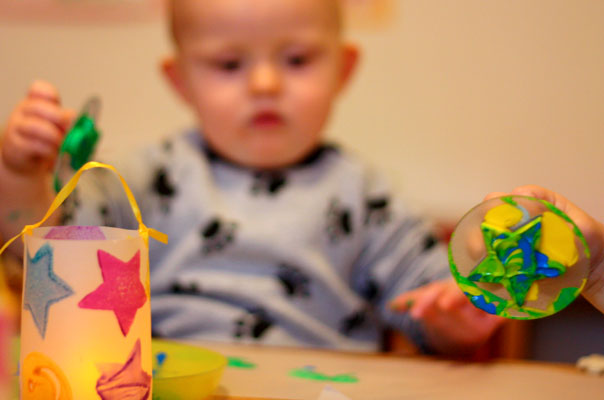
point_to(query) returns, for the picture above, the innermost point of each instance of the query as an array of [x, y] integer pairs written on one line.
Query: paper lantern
[[86, 319]]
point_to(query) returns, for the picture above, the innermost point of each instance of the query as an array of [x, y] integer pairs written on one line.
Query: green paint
[[16, 215], [80, 141], [510, 259], [510, 200], [13, 215], [235, 362], [310, 374], [565, 297]]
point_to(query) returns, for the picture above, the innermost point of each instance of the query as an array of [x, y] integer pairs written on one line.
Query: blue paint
[[548, 272], [475, 277], [527, 250], [480, 302], [161, 358]]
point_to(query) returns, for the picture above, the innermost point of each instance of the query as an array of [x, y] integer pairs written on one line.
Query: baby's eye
[[229, 65], [297, 60]]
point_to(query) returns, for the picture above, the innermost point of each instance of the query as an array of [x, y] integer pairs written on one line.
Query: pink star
[[121, 290]]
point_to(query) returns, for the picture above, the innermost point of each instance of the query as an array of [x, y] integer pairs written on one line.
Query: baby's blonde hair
[[335, 8]]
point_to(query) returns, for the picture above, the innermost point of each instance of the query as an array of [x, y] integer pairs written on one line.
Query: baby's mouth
[[267, 120]]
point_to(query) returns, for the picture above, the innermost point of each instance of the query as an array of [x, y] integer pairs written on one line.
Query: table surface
[[382, 377]]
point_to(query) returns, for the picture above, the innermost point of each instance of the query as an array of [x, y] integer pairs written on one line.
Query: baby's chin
[[270, 159]]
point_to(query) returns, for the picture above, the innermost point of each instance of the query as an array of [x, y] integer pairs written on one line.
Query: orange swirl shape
[[42, 379]]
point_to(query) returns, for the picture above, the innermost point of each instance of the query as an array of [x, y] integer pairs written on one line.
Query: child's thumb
[[67, 118]]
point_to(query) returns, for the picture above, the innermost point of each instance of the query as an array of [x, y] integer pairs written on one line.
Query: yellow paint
[[533, 293], [557, 240], [503, 216], [473, 291], [43, 379]]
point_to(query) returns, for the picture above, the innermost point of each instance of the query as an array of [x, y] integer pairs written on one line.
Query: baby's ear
[[171, 70], [350, 59]]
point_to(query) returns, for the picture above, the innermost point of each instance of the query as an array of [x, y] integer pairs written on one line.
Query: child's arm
[[591, 229], [29, 146], [407, 272]]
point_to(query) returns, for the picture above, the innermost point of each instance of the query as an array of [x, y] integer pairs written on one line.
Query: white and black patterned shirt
[[310, 255]]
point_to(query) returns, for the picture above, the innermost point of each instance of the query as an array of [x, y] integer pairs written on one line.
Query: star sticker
[[75, 233], [127, 381], [516, 258], [42, 287], [121, 290]]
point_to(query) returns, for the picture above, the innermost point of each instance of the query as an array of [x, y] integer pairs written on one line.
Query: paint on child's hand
[[309, 372], [236, 362], [404, 307], [16, 215]]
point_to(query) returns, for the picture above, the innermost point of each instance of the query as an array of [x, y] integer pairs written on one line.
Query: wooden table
[[386, 377]]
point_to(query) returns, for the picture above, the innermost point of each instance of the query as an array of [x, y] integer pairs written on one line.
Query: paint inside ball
[[519, 257]]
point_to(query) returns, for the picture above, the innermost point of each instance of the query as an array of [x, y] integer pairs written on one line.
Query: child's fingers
[[426, 299], [67, 118], [481, 322], [475, 243], [452, 299], [42, 131], [23, 153], [532, 190], [42, 151], [404, 302], [43, 90], [46, 110]]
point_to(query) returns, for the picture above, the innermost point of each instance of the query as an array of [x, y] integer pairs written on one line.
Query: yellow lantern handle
[[143, 230]]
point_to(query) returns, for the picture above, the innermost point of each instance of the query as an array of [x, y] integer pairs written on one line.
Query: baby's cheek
[[313, 102]]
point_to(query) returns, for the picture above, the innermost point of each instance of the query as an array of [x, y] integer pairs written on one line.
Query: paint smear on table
[[310, 373]]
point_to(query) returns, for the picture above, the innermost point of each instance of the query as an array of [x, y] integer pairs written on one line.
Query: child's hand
[[35, 130], [453, 325], [591, 229]]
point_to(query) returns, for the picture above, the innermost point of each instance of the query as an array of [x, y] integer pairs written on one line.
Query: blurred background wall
[[453, 98]]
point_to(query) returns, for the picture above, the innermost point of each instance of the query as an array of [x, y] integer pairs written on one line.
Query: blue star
[[42, 287]]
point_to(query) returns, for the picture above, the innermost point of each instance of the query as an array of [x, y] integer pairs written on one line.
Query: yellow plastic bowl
[[186, 372]]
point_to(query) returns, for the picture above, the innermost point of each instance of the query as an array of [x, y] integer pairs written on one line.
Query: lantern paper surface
[[86, 320]]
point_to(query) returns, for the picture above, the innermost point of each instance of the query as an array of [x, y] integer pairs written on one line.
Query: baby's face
[[261, 75]]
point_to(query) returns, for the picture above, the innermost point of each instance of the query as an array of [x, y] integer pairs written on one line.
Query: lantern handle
[[143, 230]]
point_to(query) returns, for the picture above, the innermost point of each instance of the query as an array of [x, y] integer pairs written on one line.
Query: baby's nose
[[265, 78]]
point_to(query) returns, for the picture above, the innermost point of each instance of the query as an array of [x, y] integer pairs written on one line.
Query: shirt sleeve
[[400, 254]]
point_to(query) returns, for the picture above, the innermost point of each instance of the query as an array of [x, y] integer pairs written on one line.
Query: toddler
[[275, 236]]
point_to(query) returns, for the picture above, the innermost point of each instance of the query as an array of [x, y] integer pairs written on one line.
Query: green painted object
[[532, 260], [80, 142]]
